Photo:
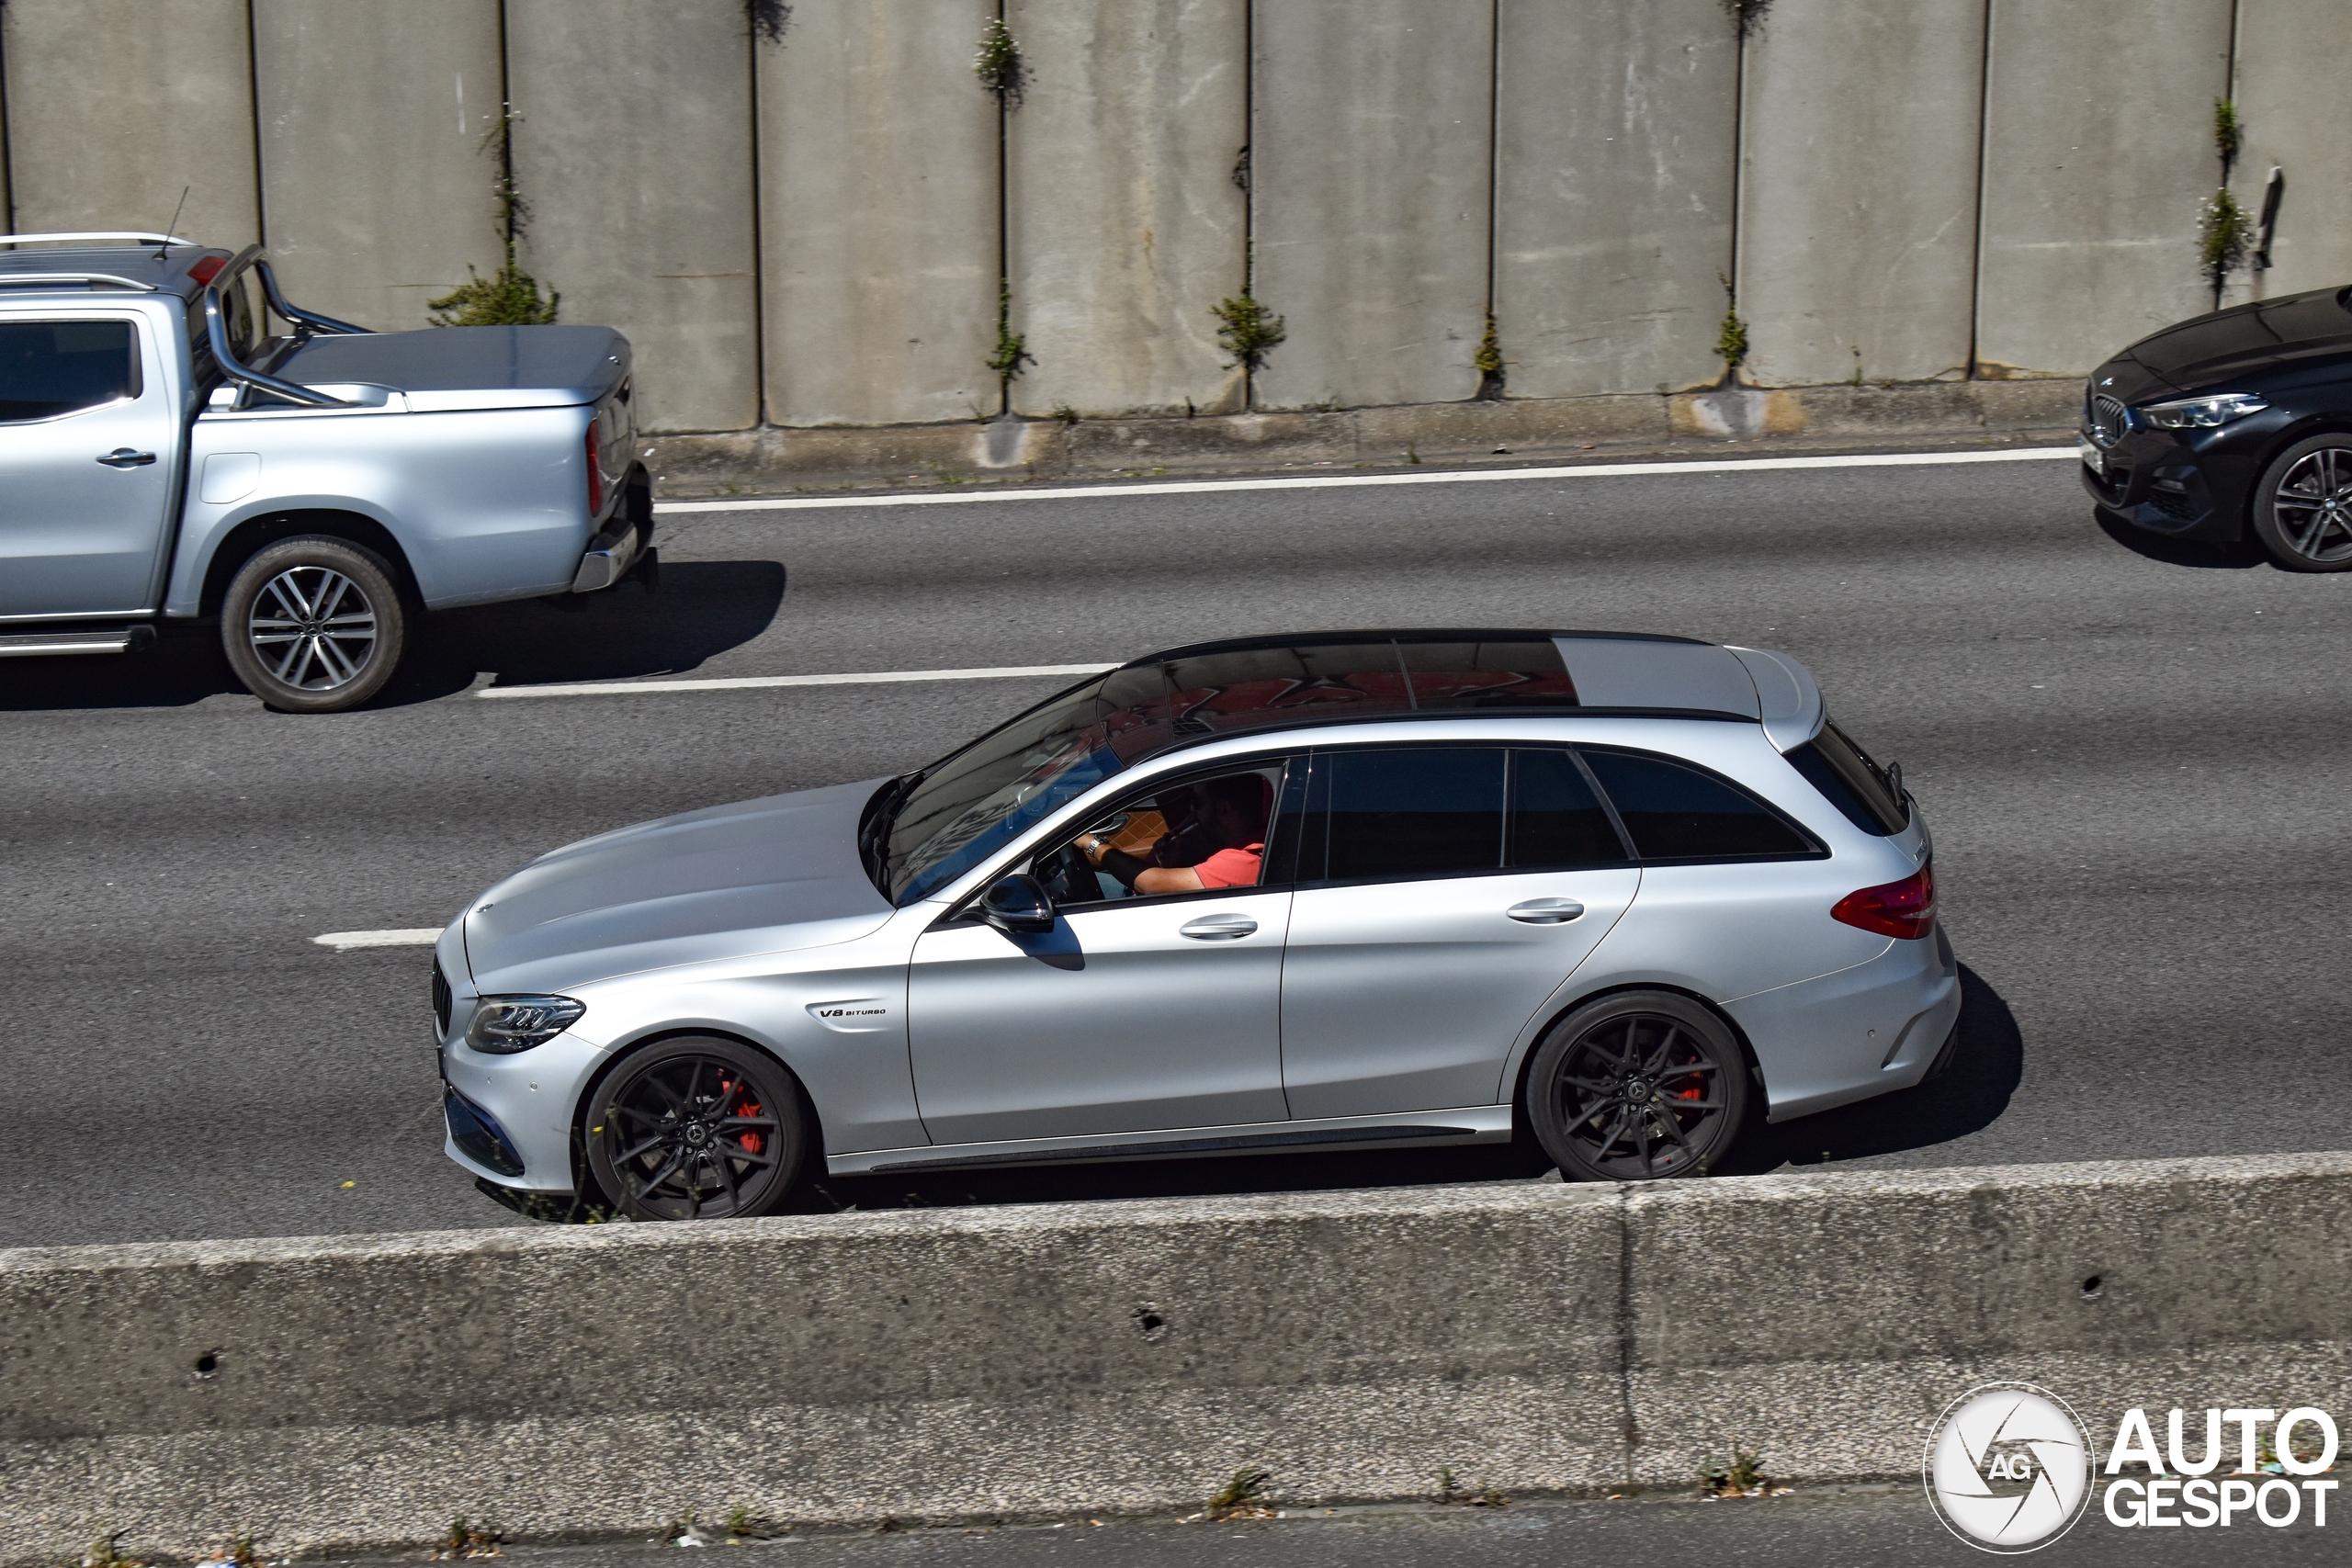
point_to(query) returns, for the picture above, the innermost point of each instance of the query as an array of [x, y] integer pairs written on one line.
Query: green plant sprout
[[1000, 67], [509, 296]]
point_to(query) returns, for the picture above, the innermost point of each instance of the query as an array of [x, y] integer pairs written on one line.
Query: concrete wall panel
[[878, 201], [374, 172], [1125, 220], [1371, 175], [1858, 189], [2099, 158], [114, 106], [634, 150], [2291, 97], [1617, 142]]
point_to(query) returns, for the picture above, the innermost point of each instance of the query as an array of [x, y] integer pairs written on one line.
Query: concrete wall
[[1858, 190], [879, 212], [115, 105], [2099, 155], [1370, 184], [2290, 93], [372, 120], [1129, 1356], [1613, 207], [634, 148], [1124, 221]]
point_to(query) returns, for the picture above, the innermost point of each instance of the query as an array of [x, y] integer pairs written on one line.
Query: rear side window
[[53, 367], [1557, 821], [1412, 812], [1850, 781], [1676, 812]]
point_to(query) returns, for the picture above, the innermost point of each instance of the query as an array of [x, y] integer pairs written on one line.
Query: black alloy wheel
[[1635, 1087], [2303, 508], [697, 1128], [313, 624]]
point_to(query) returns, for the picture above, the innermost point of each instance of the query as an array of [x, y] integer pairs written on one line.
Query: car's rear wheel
[[1637, 1086], [313, 624], [697, 1128], [2303, 508]]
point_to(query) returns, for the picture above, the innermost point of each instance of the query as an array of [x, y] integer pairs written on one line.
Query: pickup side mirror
[[1018, 903]]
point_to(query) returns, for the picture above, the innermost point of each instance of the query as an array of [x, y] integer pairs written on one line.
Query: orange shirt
[[1232, 868]]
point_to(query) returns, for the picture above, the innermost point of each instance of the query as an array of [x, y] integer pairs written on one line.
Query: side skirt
[[1472, 1124]]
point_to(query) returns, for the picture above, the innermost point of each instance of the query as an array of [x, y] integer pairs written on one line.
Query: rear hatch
[[447, 369]]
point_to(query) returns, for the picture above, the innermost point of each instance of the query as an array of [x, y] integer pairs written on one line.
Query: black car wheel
[[1637, 1086], [2303, 508], [313, 624], [697, 1128]]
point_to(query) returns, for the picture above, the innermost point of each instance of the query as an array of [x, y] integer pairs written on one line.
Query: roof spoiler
[[1789, 701]]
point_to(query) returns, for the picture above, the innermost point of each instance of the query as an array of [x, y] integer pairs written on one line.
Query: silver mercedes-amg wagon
[[1363, 889]]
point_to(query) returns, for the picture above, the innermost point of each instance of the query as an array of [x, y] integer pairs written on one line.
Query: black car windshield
[[978, 799]]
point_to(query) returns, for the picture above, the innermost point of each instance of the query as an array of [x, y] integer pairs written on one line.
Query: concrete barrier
[[2098, 159], [2296, 118], [115, 105], [1617, 138], [999, 1363], [1859, 137], [374, 175]]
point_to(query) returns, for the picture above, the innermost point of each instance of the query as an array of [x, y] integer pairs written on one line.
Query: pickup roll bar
[[217, 334], [295, 313]]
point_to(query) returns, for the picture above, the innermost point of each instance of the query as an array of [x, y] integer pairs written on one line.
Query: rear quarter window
[[1676, 812], [1851, 781]]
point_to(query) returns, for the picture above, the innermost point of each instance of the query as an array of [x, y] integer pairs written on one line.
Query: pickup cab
[[164, 453]]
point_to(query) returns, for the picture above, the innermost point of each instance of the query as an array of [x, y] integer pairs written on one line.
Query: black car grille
[[2105, 419], [441, 1003]]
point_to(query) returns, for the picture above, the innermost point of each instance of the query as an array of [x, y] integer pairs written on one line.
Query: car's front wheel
[[2303, 508], [313, 624], [1636, 1086], [698, 1127]]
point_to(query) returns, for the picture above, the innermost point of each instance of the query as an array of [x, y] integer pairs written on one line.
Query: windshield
[[979, 799]]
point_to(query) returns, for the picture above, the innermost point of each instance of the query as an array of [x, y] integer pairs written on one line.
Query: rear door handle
[[1545, 911], [1217, 928], [124, 457]]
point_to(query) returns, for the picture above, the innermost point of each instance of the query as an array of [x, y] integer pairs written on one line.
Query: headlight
[[2202, 414], [504, 1025]]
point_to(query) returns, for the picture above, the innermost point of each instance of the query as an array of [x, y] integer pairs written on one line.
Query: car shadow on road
[[1986, 1064], [702, 609], [2194, 553]]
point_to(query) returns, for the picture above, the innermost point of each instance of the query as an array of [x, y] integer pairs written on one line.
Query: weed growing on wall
[[1489, 361], [999, 65], [769, 19], [1746, 16], [1731, 338], [509, 296], [2229, 135], [1012, 347], [1249, 332], [2224, 232]]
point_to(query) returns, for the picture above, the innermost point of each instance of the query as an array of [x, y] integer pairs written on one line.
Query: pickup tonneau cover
[[447, 369]]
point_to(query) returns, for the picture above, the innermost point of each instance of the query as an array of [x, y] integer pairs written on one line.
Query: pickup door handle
[[1545, 911], [124, 457], [1217, 928]]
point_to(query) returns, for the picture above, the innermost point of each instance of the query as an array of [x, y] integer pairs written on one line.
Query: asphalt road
[[1855, 1526], [2132, 757]]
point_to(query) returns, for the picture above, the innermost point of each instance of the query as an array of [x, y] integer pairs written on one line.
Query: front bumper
[[2191, 484], [530, 1097]]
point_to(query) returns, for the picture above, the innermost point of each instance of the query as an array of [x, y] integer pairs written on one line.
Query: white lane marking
[[1335, 481], [343, 941], [748, 682]]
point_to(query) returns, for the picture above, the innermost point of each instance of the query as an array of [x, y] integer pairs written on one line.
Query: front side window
[[1409, 811], [1676, 812], [1202, 835], [48, 369]]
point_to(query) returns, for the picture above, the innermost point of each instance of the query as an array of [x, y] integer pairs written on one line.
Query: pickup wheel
[[313, 624]]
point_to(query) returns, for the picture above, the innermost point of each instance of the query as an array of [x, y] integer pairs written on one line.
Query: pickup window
[[48, 369]]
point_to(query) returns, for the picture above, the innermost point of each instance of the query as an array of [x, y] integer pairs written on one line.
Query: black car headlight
[[2202, 414], [504, 1025]]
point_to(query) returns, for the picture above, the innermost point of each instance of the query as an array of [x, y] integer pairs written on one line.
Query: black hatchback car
[[2233, 424]]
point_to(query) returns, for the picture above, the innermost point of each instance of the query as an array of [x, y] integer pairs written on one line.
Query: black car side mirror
[[1018, 903]]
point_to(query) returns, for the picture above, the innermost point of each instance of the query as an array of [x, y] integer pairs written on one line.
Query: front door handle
[[1545, 911], [124, 457], [1217, 928]]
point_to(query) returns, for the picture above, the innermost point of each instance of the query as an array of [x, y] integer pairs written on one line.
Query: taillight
[[1905, 909], [595, 473], [206, 269]]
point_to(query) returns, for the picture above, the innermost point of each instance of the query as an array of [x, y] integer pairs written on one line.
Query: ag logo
[[2008, 1468]]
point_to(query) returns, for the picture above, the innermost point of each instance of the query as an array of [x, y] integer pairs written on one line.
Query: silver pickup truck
[[165, 453]]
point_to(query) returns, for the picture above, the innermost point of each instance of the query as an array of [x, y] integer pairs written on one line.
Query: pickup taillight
[[595, 473]]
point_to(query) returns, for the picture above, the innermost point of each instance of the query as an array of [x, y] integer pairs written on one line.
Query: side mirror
[[1018, 903]]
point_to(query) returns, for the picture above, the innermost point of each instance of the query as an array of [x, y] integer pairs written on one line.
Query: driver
[[1228, 826]]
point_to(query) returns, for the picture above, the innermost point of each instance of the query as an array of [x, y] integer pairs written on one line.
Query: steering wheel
[[1068, 878]]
